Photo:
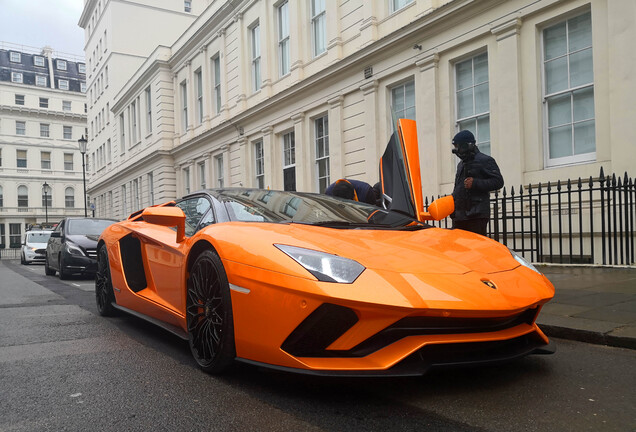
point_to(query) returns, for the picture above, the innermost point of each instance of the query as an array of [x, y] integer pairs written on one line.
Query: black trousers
[[473, 225]]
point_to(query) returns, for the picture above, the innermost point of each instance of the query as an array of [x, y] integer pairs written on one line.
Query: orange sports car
[[316, 284]]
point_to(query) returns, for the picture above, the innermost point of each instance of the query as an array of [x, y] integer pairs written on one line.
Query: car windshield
[[256, 205], [38, 237], [87, 226]]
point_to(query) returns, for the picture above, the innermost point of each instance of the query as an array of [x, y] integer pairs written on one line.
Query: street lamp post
[[46, 189], [82, 148]]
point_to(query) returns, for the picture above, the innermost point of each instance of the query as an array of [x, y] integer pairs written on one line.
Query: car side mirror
[[56, 234], [439, 209], [166, 216]]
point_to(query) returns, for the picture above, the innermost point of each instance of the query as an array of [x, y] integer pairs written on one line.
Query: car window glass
[[208, 219], [194, 209], [38, 237], [87, 226]]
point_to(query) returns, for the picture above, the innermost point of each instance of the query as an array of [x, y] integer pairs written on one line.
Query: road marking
[[77, 285]]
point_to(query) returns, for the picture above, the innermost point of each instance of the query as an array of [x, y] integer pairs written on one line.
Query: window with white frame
[[21, 158], [322, 152], [19, 99], [20, 127], [66, 105], [472, 99], [68, 161], [219, 171], [135, 194], [81, 68], [83, 87], [289, 161], [60, 64], [186, 180], [23, 196], [259, 165], [569, 91], [45, 160], [403, 101], [202, 176], [109, 151], [40, 80], [47, 199], [15, 57], [283, 38], [2, 225], [198, 80], [133, 122], [44, 130], [318, 27], [122, 133], [16, 77], [216, 64], [124, 201], [187, 5], [68, 132], [184, 106], [396, 5], [148, 110], [38, 61], [62, 84], [44, 102], [69, 197], [255, 32], [151, 189]]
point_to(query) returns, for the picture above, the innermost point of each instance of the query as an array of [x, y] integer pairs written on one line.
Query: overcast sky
[[36, 23]]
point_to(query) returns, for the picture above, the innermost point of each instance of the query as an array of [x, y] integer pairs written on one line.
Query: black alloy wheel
[[63, 274], [104, 295], [23, 260], [48, 270], [209, 314]]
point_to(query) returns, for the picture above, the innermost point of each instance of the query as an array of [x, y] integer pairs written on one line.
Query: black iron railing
[[572, 222]]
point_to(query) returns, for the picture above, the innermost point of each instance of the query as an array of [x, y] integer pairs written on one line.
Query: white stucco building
[[42, 115], [298, 93]]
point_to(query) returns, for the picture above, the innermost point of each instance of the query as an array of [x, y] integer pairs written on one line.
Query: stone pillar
[[191, 98], [246, 178], [225, 109], [178, 180], [303, 155], [336, 139], [207, 87], [178, 129], [244, 78], [373, 148], [298, 14], [271, 158], [268, 26], [369, 26], [427, 114], [334, 39], [507, 138]]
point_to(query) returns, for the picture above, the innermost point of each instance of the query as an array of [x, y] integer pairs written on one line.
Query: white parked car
[[34, 246]]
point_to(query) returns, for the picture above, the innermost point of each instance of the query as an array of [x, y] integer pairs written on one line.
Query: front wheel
[[48, 270], [63, 274], [209, 314], [104, 295]]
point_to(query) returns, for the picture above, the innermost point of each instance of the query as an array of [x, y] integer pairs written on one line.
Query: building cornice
[[38, 112]]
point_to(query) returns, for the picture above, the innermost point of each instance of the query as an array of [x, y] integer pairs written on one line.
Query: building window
[[124, 204], [198, 79], [148, 110], [202, 179], [219, 171], [68, 161], [186, 180], [403, 101], [40, 80], [16, 77], [122, 136], [20, 127], [256, 57], [62, 84], [318, 27], [472, 99], [399, 4], [283, 38], [69, 197], [61, 64], [135, 194], [44, 102], [68, 132], [21, 158], [47, 199], [15, 57], [83, 87], [187, 5], [569, 91], [66, 105], [184, 104], [289, 162], [45, 158], [23, 196], [15, 235], [133, 123], [108, 151], [19, 99], [259, 165], [216, 63], [38, 61], [2, 205], [322, 152], [81, 68], [44, 130], [151, 189]]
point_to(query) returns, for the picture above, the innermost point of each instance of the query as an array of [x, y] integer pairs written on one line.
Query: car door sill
[[177, 331]]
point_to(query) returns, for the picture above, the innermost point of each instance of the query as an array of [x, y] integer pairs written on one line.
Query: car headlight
[[73, 249], [326, 267], [521, 260]]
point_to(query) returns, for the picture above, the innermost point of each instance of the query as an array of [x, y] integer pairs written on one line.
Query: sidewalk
[[591, 304]]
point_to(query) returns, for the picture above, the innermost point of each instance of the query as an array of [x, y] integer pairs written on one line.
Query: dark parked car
[[71, 249]]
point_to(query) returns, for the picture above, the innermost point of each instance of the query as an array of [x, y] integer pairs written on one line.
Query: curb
[[592, 337]]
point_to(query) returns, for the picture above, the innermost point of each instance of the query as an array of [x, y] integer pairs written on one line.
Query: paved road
[[62, 367]]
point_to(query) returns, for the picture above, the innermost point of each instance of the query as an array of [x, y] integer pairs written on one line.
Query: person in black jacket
[[355, 190], [477, 175]]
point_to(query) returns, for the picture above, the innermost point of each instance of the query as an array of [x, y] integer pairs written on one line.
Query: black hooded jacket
[[474, 203]]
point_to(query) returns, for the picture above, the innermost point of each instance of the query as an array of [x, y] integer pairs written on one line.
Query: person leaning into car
[[355, 190], [477, 175]]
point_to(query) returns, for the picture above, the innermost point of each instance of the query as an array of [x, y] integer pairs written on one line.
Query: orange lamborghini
[[315, 284]]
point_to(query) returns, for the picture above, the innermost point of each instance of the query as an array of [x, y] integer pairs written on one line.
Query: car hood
[[85, 241]]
